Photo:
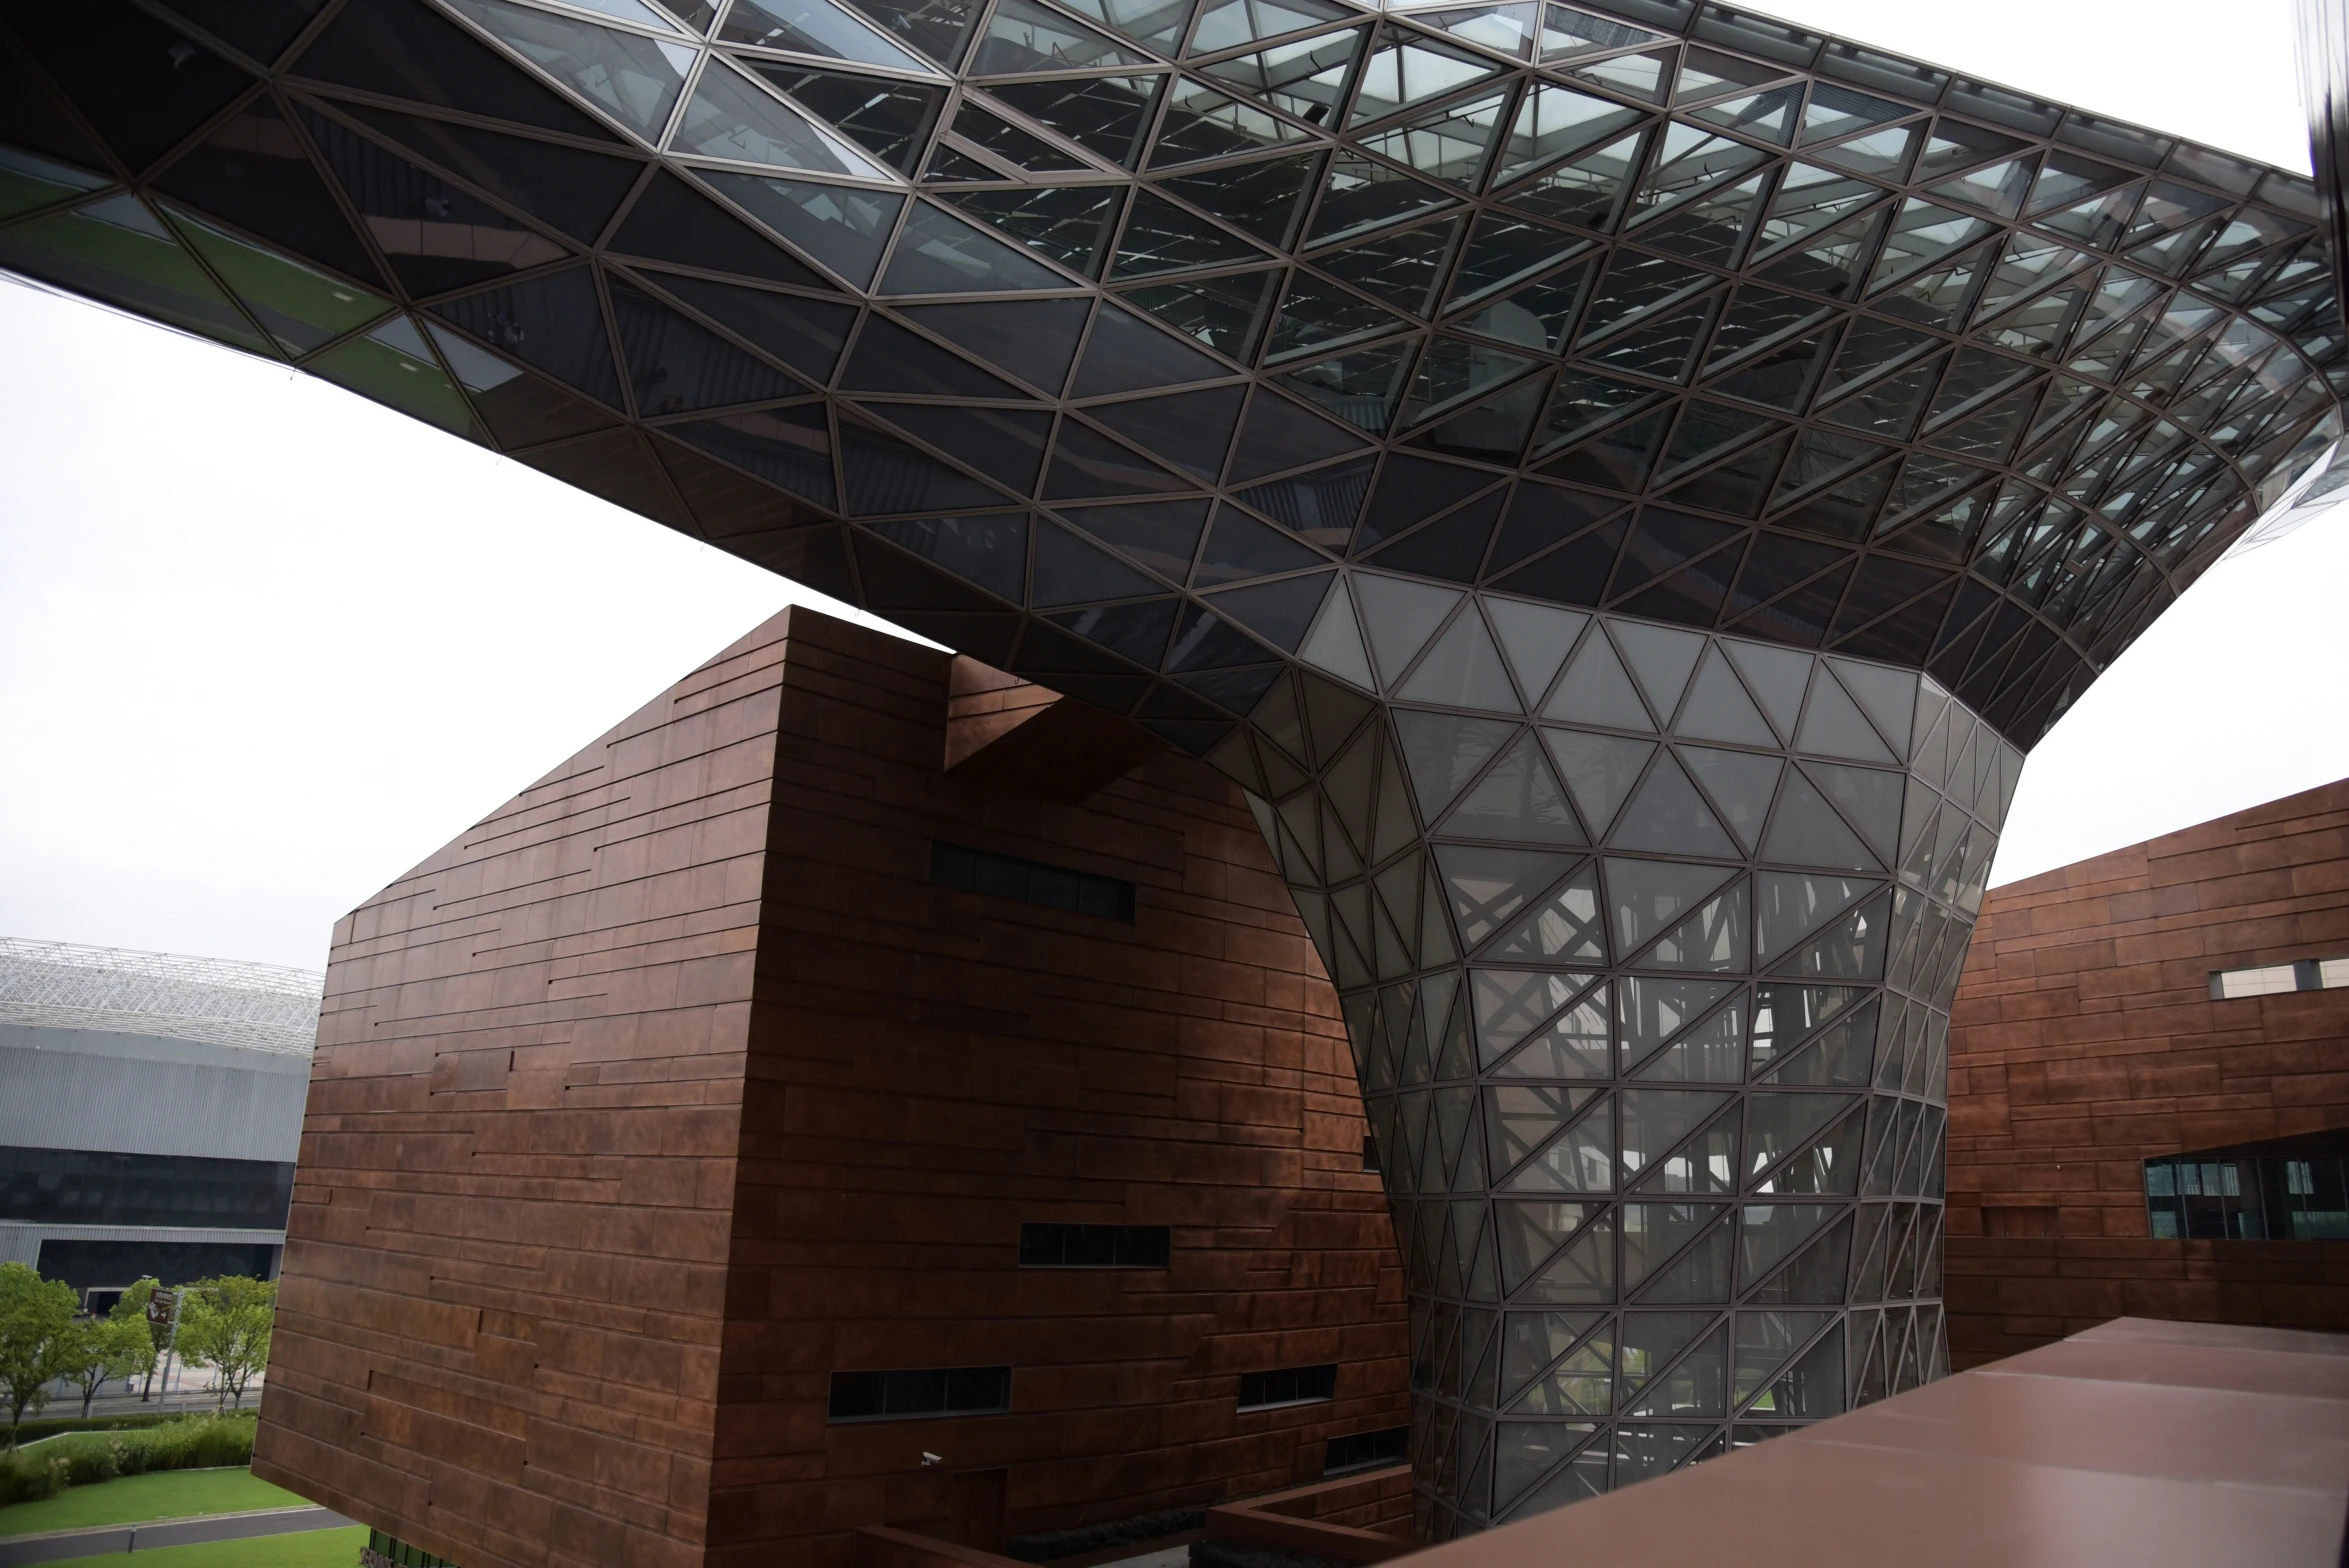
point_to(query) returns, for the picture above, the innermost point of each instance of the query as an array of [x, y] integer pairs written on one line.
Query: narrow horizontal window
[[924, 1391], [1054, 887], [1288, 1386], [1095, 1246], [2309, 974], [1367, 1450], [2249, 1194]]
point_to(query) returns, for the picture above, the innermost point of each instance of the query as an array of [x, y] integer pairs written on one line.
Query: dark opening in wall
[[1288, 1386], [920, 1391], [1054, 887], [1095, 1246]]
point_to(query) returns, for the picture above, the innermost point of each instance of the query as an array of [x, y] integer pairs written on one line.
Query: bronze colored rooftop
[[2154, 1445]]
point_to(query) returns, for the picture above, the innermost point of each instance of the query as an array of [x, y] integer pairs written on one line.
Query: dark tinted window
[[1288, 1386], [2239, 1196], [86, 1187], [922, 1391], [1367, 1450], [1055, 887], [1095, 1246]]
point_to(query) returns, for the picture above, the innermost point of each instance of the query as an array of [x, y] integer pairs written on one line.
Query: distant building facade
[[2149, 1087], [150, 1107]]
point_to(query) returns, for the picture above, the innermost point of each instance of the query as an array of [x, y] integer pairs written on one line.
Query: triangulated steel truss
[[1617, 483], [219, 1001]]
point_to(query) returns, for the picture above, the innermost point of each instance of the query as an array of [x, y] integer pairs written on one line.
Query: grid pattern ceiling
[[1090, 339]]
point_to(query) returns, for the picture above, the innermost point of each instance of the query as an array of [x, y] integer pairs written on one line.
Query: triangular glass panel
[[1661, 659], [1923, 234], [840, 226], [1162, 535], [1807, 832], [1565, 928], [789, 447], [1158, 23], [1305, 78], [1013, 145], [1162, 237], [1503, 250], [1553, 122], [1400, 266], [676, 366], [300, 307], [1599, 770], [1832, 261], [1450, 143], [1444, 751], [1669, 815], [1189, 429], [1656, 1121], [1997, 189], [633, 78], [813, 27], [1833, 726], [1317, 315], [1519, 800], [553, 321], [1663, 347], [1585, 402], [1879, 155], [1588, 191], [730, 118], [1227, 24], [1536, 638], [1462, 669], [1597, 690], [887, 475], [1401, 615], [1086, 465], [1791, 905], [1025, 39], [1741, 786], [1453, 370], [1264, 199], [1238, 547], [1335, 642], [1225, 313], [1406, 68], [892, 121], [1278, 611], [1648, 897], [1688, 163], [1005, 444], [574, 192], [1126, 354], [1719, 708], [1643, 76], [1360, 196], [1488, 889]]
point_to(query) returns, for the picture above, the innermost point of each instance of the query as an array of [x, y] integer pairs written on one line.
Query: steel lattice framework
[[1618, 484], [65, 985]]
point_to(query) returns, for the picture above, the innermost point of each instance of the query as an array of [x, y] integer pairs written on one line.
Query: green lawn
[[303, 1549], [162, 1494]]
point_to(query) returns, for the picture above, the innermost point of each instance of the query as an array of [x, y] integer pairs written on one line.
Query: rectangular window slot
[[2248, 1197], [1054, 887], [920, 1391], [2308, 974], [1095, 1246], [1367, 1450], [1370, 1152], [1288, 1386]]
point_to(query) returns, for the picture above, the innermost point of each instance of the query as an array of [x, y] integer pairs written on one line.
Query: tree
[[225, 1324], [91, 1350], [133, 1307], [35, 1316]]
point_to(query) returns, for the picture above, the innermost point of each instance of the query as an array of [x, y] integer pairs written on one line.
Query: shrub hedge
[[80, 1458]]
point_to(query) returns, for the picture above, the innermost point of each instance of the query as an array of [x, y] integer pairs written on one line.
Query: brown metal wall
[[676, 1085], [2085, 1041]]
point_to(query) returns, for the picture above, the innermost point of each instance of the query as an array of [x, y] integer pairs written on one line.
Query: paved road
[[64, 1544]]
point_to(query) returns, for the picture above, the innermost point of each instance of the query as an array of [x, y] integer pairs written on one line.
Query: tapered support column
[[1646, 941]]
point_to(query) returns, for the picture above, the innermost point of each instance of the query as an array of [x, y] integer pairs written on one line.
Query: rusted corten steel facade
[[676, 1085], [2086, 1041]]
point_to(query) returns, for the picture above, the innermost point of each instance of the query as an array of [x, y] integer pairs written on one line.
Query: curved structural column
[[1646, 942]]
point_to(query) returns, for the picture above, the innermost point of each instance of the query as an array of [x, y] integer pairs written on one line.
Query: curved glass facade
[[1619, 485]]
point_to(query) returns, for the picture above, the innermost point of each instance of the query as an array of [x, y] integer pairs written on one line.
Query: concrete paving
[[62, 1545]]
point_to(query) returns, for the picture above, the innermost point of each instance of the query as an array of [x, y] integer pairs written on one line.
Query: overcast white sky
[[264, 645]]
